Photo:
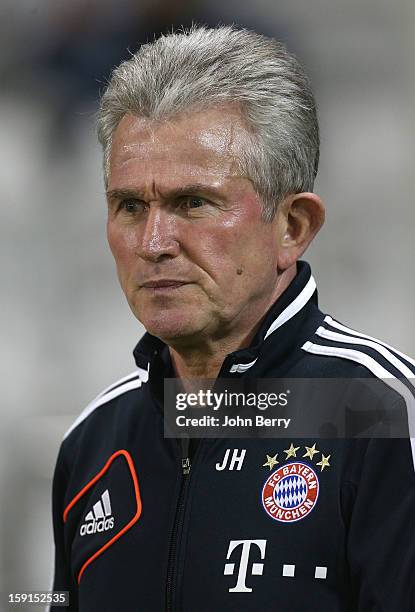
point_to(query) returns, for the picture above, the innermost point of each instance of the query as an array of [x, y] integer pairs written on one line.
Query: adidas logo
[[99, 518]]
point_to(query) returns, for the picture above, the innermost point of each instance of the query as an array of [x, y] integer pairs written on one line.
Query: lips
[[163, 283]]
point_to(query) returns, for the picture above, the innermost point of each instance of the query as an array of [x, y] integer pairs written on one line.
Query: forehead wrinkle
[[212, 152], [234, 138], [214, 168], [166, 192], [151, 140], [217, 139]]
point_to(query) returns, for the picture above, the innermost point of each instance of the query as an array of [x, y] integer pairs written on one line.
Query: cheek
[[123, 242], [255, 258], [230, 256], [252, 246]]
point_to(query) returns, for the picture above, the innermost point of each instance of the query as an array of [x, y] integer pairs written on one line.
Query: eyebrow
[[191, 189]]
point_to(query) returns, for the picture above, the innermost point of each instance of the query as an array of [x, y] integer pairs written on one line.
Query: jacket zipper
[[177, 526]]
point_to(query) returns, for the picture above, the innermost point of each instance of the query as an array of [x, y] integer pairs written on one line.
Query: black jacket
[[330, 527]]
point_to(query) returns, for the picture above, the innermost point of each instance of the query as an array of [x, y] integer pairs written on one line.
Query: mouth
[[163, 285]]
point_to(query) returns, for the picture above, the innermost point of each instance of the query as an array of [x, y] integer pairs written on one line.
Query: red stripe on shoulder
[[128, 458]]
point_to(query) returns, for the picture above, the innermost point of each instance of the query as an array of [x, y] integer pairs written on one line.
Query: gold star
[[271, 461], [291, 452], [324, 462], [311, 451]]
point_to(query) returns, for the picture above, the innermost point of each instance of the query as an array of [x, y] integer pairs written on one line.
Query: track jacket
[[145, 524]]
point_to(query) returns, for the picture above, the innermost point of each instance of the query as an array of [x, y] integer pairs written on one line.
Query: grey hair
[[203, 67]]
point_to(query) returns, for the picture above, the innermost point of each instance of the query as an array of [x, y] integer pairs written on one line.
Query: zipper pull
[[184, 442], [186, 466]]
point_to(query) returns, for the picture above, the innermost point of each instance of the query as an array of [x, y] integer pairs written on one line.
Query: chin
[[169, 328]]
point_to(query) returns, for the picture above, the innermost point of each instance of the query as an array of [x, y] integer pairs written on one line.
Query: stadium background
[[66, 329]]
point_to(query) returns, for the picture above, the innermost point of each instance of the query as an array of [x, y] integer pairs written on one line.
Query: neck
[[204, 359]]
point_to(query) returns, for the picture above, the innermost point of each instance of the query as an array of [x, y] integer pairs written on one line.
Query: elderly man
[[211, 148]]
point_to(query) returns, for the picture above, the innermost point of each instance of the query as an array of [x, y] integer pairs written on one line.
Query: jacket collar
[[284, 328]]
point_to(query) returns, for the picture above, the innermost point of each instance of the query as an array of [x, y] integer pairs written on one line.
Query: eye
[[189, 202], [131, 206]]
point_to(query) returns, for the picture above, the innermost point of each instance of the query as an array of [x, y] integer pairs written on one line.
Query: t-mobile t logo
[[256, 569]]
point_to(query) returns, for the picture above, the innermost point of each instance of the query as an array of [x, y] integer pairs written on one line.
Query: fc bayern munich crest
[[291, 492]]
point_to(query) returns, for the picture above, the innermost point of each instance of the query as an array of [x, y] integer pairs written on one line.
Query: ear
[[299, 218]]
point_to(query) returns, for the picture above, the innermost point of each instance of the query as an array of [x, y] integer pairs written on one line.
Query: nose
[[158, 239]]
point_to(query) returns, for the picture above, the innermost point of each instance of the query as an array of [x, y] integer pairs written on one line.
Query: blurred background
[[66, 331]]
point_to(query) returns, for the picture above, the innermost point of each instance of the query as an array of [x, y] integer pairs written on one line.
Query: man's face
[[194, 256]]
